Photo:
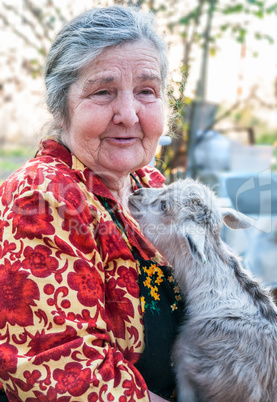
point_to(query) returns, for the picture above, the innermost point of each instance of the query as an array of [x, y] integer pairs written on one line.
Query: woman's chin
[[125, 161]]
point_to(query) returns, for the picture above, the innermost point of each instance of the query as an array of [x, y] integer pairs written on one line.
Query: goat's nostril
[[138, 191]]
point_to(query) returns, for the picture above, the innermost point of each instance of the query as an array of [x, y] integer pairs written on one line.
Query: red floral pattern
[[7, 193], [38, 260], [88, 283], [128, 277], [151, 177], [73, 379], [79, 230], [35, 175], [50, 396], [45, 347], [3, 224], [119, 308], [31, 217], [70, 323], [18, 294], [112, 246], [8, 360]]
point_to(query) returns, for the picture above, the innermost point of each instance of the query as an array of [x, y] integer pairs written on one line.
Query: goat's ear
[[235, 220], [195, 238]]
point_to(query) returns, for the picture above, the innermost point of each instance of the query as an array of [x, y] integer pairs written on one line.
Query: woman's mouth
[[122, 140]]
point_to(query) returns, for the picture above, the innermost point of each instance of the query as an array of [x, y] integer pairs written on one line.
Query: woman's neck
[[120, 188]]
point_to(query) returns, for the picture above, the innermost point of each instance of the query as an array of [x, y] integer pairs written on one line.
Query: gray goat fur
[[226, 350]]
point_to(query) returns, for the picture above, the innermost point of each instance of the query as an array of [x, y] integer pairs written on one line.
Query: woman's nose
[[126, 109]]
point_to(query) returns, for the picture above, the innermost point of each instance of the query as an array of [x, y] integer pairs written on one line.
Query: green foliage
[[242, 32], [250, 8], [267, 138], [237, 8], [264, 134], [266, 37], [272, 9], [191, 16], [213, 51]]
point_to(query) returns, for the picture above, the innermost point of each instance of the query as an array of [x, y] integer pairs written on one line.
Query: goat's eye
[[163, 205], [196, 201]]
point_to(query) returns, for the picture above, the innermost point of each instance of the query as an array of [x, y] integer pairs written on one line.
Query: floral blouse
[[71, 324]]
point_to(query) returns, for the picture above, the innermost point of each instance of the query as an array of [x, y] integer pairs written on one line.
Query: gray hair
[[84, 38]]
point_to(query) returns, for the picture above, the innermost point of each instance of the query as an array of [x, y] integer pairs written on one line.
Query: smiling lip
[[121, 140]]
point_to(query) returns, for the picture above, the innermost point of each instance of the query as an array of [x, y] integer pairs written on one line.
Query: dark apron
[[163, 312], [3, 397], [161, 320]]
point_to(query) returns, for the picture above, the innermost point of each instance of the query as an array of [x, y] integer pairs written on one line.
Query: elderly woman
[[88, 309]]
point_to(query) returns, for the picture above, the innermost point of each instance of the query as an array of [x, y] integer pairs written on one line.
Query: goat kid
[[226, 350]]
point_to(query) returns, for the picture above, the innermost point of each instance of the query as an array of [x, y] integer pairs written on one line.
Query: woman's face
[[116, 110]]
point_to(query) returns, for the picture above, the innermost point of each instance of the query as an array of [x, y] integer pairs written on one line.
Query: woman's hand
[[156, 398]]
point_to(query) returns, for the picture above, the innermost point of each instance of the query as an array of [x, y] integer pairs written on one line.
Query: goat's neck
[[196, 279], [208, 286]]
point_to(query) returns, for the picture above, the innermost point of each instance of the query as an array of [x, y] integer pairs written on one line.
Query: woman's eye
[[163, 206], [101, 93], [101, 97], [147, 92], [146, 95]]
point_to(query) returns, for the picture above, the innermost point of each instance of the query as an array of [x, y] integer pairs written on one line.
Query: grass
[[6, 165], [17, 153], [12, 159]]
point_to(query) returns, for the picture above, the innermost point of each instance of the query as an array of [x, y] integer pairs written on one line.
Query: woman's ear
[[59, 121]]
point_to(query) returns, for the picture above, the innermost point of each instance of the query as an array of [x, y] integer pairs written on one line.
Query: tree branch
[[24, 19], [17, 32], [38, 15]]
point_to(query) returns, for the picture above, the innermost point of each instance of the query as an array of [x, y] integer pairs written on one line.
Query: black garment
[[3, 397], [161, 319]]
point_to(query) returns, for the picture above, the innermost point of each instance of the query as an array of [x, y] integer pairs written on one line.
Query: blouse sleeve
[[55, 340]]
